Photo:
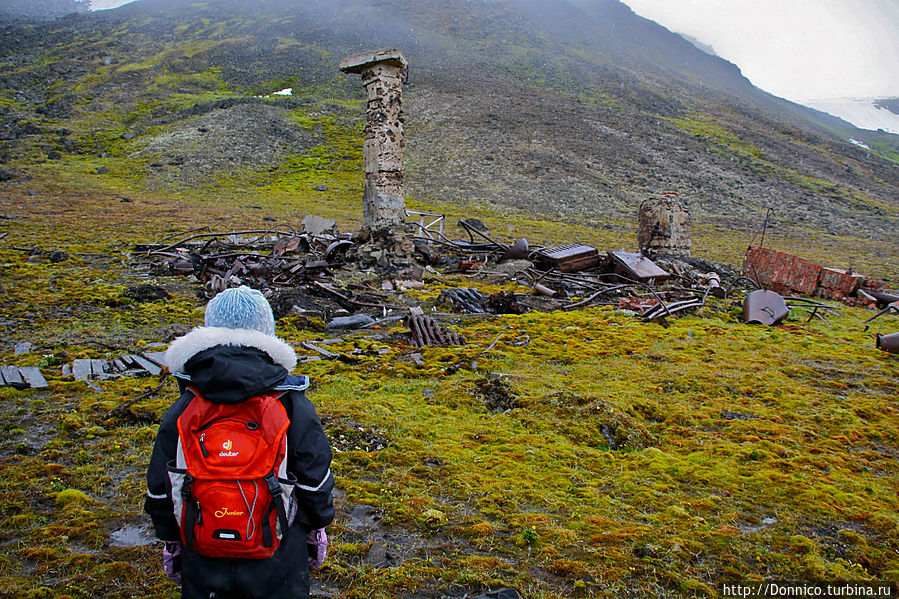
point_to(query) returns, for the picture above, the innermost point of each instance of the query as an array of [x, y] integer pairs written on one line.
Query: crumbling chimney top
[[359, 63]]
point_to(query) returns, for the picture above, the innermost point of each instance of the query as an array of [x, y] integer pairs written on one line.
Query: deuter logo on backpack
[[228, 453], [233, 502]]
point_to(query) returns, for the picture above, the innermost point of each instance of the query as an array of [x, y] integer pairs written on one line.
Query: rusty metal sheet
[[571, 258], [764, 306], [639, 267], [285, 245]]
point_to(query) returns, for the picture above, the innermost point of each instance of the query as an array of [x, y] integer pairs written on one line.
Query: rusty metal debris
[[570, 258], [464, 298], [813, 307], [430, 224], [426, 331], [894, 307], [713, 281], [639, 267], [519, 250], [314, 274], [278, 257], [504, 303], [764, 306], [662, 310]]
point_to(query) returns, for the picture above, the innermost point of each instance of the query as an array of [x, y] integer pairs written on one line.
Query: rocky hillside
[[577, 112]]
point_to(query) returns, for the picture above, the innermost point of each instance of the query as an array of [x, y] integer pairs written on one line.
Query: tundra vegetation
[[626, 459]]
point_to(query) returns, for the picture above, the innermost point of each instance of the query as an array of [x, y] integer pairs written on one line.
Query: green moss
[[704, 127]]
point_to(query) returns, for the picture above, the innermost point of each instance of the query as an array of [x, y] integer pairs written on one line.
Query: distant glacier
[[864, 113]]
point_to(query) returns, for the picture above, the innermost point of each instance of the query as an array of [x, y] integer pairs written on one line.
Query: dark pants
[[284, 576]]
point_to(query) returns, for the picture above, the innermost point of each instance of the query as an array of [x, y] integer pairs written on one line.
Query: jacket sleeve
[[310, 462], [158, 503]]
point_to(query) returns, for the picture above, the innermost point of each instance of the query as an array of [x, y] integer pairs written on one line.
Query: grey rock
[[513, 266], [363, 518], [474, 223], [316, 225], [350, 322], [500, 594], [377, 555], [23, 348], [321, 188]]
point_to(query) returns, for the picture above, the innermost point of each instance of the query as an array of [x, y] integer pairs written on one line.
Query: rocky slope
[[574, 112]]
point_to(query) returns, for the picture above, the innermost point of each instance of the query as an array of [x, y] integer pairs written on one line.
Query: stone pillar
[[382, 74], [664, 225]]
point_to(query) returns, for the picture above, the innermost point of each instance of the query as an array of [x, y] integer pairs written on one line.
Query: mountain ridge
[[593, 107]]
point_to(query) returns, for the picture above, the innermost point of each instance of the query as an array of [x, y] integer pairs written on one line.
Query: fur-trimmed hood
[[229, 365], [203, 338]]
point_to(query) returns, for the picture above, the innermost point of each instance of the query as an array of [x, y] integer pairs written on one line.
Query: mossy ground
[[742, 452]]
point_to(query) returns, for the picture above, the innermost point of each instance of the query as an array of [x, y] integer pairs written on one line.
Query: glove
[[317, 543], [171, 560]]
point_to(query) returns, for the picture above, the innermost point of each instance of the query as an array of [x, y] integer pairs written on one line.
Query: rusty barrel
[[764, 306], [888, 343]]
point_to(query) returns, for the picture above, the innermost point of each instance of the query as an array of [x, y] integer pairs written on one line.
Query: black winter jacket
[[228, 366]]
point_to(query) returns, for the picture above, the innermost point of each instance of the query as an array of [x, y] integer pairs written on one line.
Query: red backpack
[[230, 486]]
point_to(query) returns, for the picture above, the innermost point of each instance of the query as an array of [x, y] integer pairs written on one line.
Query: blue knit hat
[[241, 308]]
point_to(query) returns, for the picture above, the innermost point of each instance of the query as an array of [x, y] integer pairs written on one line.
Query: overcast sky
[[104, 4], [797, 49]]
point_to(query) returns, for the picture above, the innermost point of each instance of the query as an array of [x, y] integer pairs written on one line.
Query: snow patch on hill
[[861, 112]]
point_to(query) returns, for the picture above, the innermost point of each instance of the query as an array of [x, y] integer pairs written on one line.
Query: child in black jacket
[[234, 357]]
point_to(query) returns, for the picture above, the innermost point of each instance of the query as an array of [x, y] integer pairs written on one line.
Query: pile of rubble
[[785, 273], [361, 279], [304, 269]]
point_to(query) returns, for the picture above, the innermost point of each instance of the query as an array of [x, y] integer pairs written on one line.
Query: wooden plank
[[128, 361], [325, 353], [33, 377], [12, 377], [159, 356], [147, 365], [99, 367], [119, 365], [81, 368]]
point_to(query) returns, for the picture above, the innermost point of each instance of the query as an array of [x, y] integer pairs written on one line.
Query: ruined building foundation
[[382, 74], [664, 226]]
